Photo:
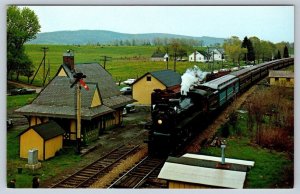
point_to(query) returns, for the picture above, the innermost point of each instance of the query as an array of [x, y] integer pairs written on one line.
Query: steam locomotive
[[176, 118]]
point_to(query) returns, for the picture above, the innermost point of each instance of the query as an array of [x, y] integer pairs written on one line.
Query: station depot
[[52, 114]]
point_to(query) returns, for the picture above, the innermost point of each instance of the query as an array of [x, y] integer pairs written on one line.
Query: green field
[[127, 61]]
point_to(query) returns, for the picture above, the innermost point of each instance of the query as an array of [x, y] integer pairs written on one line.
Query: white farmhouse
[[198, 56], [217, 54], [159, 56]]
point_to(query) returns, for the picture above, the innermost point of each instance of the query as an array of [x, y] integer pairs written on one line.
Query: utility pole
[[175, 61], [45, 49], [209, 66], [213, 58], [44, 59], [104, 59]]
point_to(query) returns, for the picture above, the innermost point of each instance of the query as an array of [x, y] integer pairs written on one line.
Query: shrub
[[276, 138]]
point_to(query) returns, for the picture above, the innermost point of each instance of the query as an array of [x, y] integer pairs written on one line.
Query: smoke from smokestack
[[190, 77]]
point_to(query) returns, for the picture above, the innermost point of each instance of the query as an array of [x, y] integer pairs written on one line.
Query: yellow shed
[[47, 138], [145, 85], [281, 78]]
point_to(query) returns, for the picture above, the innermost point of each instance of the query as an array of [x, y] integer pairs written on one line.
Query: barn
[[101, 106], [145, 85], [46, 137]]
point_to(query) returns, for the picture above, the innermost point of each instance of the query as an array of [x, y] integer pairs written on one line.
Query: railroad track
[[137, 176], [91, 173]]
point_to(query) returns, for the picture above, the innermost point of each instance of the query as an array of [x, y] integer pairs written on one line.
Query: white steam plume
[[190, 77]]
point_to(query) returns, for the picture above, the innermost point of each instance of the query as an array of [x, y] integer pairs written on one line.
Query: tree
[[22, 26], [267, 50], [278, 56], [250, 55], [257, 47], [285, 52], [233, 49]]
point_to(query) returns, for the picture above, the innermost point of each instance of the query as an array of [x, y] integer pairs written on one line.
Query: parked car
[[128, 109], [20, 91], [129, 81], [126, 91], [9, 123]]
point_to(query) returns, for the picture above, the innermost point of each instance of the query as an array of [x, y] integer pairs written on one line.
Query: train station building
[[101, 105]]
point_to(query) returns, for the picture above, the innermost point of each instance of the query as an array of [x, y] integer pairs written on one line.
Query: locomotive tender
[[177, 118]]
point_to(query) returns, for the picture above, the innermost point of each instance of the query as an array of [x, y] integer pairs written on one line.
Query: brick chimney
[[68, 59]]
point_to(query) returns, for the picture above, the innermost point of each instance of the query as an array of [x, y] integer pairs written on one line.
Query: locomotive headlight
[[159, 121]]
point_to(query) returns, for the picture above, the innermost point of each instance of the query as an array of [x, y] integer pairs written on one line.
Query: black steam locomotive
[[177, 118]]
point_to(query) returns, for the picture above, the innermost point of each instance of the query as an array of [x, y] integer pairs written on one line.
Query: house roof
[[47, 130], [220, 50], [168, 78], [202, 175], [158, 55], [283, 74], [57, 99], [202, 169]]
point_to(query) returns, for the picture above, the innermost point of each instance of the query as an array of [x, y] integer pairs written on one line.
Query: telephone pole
[[175, 61], [45, 49], [104, 59]]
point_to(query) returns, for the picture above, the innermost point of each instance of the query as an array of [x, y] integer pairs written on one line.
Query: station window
[[148, 78]]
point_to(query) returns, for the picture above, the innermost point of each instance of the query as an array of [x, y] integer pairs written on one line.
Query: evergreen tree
[[285, 52], [250, 55], [278, 55], [245, 45]]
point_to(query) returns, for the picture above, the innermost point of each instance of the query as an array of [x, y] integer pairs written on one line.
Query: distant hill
[[109, 37]]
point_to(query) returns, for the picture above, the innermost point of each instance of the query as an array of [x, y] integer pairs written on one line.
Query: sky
[[273, 23]]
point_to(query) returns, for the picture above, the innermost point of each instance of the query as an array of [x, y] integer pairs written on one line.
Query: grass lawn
[[271, 170], [19, 100]]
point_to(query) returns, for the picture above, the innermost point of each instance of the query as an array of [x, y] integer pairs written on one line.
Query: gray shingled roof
[[167, 77], [57, 99], [285, 74], [47, 130]]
